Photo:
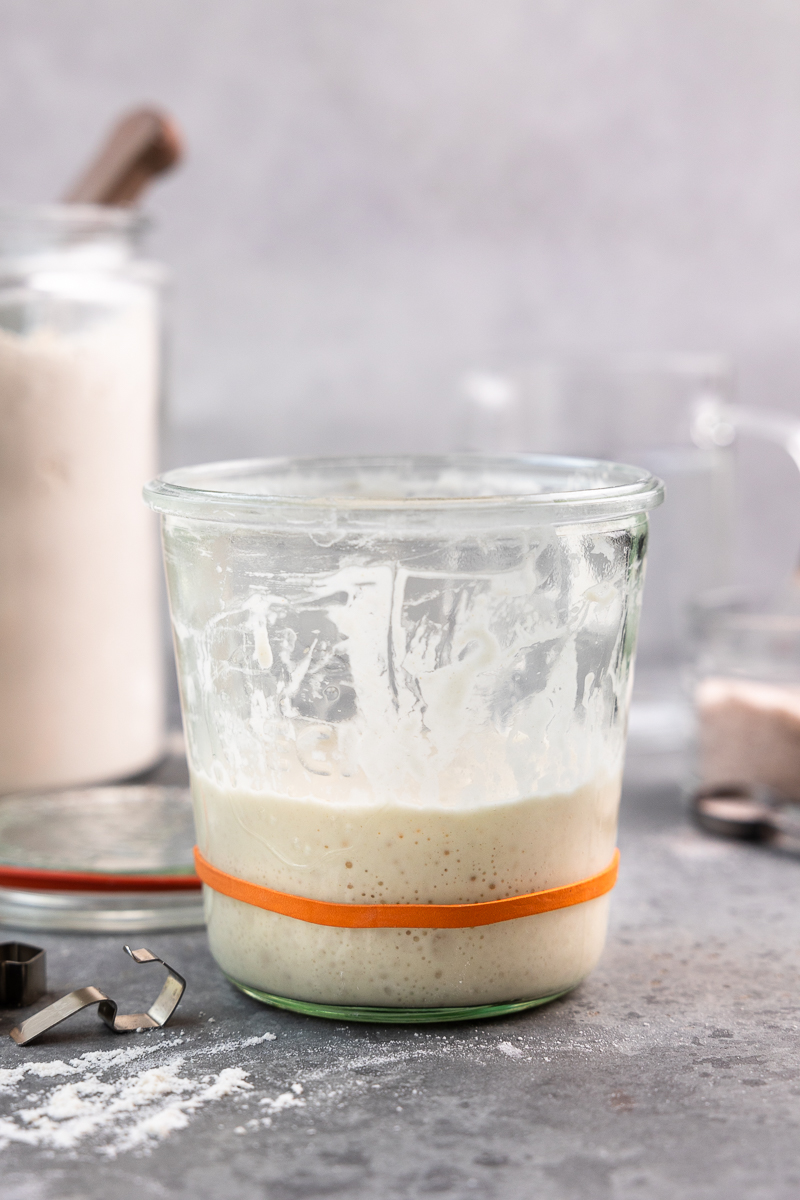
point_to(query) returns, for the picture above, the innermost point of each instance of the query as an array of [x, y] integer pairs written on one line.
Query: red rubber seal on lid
[[93, 881]]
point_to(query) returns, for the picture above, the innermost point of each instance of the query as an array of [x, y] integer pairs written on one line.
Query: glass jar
[[405, 688], [746, 682], [81, 687]]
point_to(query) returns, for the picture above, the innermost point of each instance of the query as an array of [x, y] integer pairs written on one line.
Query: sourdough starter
[[407, 854], [80, 657]]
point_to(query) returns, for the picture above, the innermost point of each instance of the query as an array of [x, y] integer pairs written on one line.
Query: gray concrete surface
[[673, 1073]]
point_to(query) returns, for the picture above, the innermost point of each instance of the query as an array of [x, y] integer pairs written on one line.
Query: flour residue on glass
[[397, 682]]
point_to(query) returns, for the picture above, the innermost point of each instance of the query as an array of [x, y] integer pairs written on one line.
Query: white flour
[[80, 648], [133, 1111], [129, 1100], [509, 1050], [290, 1099]]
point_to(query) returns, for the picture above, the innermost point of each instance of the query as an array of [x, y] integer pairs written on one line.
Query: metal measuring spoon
[[751, 814]]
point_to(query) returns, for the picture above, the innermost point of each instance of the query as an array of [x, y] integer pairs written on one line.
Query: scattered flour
[[290, 1099], [109, 1102], [48, 1070], [509, 1049], [251, 1041], [133, 1111]]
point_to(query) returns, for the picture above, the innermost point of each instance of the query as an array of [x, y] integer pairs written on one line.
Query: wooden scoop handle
[[142, 145]]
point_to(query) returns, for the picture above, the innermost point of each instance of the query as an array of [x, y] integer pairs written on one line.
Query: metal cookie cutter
[[157, 1015], [23, 974]]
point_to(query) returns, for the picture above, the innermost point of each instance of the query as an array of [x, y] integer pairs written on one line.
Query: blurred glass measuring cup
[[674, 415]]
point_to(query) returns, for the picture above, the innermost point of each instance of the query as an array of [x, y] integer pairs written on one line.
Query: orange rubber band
[[406, 916]]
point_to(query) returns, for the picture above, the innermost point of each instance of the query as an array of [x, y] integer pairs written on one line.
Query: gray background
[[380, 196]]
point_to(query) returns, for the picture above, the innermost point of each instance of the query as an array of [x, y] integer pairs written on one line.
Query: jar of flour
[[81, 697]]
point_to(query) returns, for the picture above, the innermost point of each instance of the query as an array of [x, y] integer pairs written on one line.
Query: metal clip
[[23, 974], [157, 1015]]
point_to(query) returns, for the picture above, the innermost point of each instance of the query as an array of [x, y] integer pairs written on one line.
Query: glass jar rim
[[52, 226], [533, 488]]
